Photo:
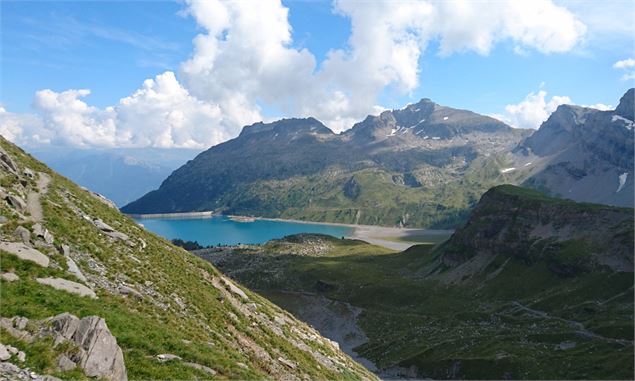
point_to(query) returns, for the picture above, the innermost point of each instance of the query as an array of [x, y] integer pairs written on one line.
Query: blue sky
[[111, 48]]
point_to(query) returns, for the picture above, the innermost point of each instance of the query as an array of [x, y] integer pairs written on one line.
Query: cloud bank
[[536, 108], [244, 58]]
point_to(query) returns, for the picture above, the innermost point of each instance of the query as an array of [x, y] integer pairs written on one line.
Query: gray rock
[[41, 232], [8, 163], [23, 233], [234, 289], [16, 202], [20, 322], [4, 353], [200, 367], [64, 324], [74, 269], [164, 357], [68, 286], [101, 225], [287, 363], [129, 291], [25, 252], [65, 250], [28, 173], [12, 350], [65, 364], [8, 326], [3, 219], [118, 235], [9, 277], [21, 356], [102, 357]]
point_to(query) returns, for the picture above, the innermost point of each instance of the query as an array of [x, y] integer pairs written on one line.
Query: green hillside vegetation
[[156, 298], [494, 312]]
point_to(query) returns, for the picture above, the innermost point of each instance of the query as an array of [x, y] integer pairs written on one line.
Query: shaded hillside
[[86, 292], [531, 288], [423, 165]]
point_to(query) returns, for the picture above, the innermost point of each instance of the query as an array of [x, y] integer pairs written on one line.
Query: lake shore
[[389, 237], [205, 214], [393, 238]]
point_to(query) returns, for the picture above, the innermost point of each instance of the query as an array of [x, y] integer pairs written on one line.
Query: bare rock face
[[99, 354], [102, 357], [68, 286], [16, 202], [42, 233], [7, 163], [24, 252], [23, 233]]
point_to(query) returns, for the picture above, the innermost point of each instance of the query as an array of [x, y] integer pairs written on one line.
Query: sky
[[191, 74]]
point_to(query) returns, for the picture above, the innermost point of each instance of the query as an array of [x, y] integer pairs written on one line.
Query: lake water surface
[[223, 230]]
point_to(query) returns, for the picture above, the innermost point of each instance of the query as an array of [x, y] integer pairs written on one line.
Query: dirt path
[[33, 204]]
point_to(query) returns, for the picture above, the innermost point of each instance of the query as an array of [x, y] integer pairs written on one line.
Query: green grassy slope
[[493, 315], [182, 309]]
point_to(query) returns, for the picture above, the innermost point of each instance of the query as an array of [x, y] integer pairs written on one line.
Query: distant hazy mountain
[[121, 175], [425, 164], [583, 154]]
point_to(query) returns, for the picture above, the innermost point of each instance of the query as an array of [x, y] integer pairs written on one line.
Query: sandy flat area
[[377, 235]]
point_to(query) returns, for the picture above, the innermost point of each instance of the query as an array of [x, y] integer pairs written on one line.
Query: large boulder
[[101, 356], [16, 202]]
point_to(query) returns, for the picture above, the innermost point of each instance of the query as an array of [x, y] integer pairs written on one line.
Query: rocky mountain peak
[[288, 126], [627, 102]]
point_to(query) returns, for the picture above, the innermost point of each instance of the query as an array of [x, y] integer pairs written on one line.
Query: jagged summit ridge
[[287, 126]]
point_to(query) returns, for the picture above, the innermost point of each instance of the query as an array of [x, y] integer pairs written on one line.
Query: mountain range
[[425, 165]]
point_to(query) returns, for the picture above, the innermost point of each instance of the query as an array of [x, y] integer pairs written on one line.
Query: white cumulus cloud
[[244, 58], [628, 65], [532, 111], [161, 113], [536, 108]]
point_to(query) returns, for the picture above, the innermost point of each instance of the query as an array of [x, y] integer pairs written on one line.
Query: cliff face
[[570, 237], [577, 149]]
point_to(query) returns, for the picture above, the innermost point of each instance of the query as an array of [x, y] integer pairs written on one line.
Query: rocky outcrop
[[7, 163], [68, 286], [578, 148], [93, 347], [528, 225], [626, 106], [98, 355], [110, 231], [12, 372], [24, 252]]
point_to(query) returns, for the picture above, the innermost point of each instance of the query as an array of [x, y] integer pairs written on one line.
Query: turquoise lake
[[222, 230]]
